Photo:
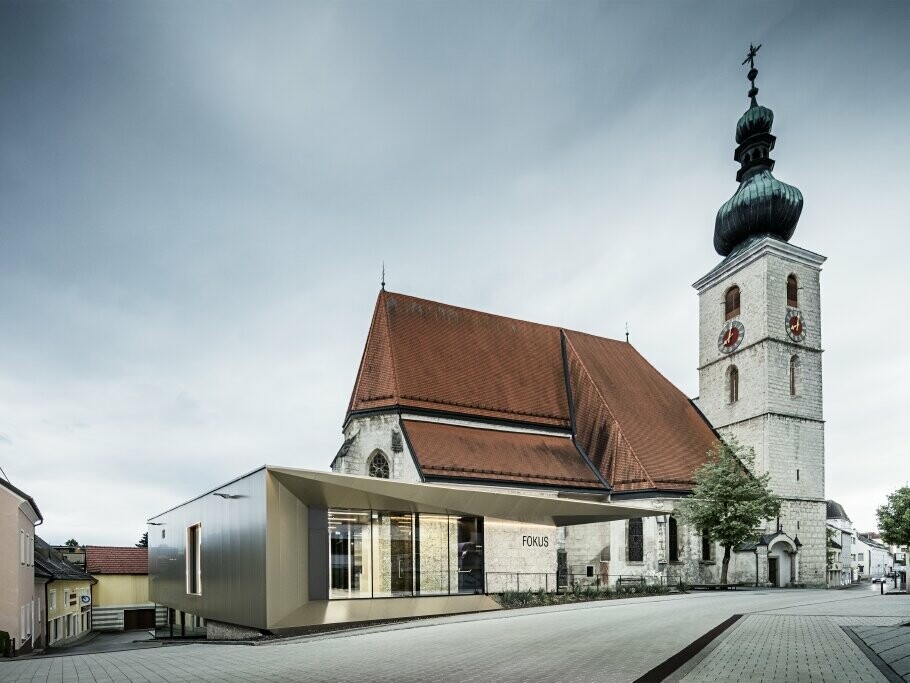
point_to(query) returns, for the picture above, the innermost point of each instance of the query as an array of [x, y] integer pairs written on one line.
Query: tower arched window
[[794, 374], [733, 384], [792, 292], [731, 303], [378, 466]]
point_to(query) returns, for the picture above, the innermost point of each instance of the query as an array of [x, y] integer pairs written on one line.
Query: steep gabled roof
[[116, 560], [636, 430], [426, 355]]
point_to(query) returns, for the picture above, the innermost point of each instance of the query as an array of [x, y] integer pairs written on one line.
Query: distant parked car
[[879, 579]]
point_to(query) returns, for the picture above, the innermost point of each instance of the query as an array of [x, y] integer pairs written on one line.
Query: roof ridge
[[379, 306], [388, 335], [607, 406]]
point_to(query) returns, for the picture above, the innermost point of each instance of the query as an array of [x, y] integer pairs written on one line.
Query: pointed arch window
[[731, 303], [378, 466], [794, 374], [733, 384], [792, 291]]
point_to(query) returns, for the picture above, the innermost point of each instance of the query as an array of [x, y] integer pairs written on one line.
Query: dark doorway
[[138, 618], [773, 577], [470, 555]]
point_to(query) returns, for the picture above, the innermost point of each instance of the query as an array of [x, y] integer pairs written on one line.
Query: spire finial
[[627, 333], [753, 72], [383, 276]]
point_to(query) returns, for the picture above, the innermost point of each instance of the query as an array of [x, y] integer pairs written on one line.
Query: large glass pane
[[434, 556], [470, 554], [393, 554], [349, 554]]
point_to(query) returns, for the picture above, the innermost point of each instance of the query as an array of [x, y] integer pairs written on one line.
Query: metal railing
[[501, 582]]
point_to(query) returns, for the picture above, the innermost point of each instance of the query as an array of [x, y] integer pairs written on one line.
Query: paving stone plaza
[[784, 635]]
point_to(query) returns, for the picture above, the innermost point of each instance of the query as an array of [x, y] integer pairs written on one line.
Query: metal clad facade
[[233, 554]]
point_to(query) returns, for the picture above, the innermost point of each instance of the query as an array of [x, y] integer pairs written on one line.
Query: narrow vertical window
[[792, 292], [636, 540], [706, 549], [733, 384], [794, 371], [194, 560], [731, 303], [673, 538]]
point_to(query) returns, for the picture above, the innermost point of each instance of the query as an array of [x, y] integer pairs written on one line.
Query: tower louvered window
[[733, 384], [731, 303], [636, 540], [792, 292]]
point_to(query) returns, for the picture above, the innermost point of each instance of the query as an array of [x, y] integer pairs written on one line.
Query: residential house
[[873, 559], [841, 563], [121, 596], [68, 595], [20, 606]]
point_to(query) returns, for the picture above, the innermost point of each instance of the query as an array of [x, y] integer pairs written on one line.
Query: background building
[[68, 596], [120, 598], [20, 605]]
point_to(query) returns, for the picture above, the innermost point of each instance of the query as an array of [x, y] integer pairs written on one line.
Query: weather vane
[[753, 72]]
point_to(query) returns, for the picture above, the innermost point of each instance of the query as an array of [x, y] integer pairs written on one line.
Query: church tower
[[760, 354]]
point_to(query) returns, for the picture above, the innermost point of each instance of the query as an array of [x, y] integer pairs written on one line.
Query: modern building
[[281, 549], [68, 596], [20, 605], [120, 598]]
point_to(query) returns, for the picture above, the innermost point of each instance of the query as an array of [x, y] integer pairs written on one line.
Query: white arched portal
[[782, 563]]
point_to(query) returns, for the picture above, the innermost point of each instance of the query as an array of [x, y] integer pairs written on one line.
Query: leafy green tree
[[72, 543], [894, 517], [728, 502], [143, 541]]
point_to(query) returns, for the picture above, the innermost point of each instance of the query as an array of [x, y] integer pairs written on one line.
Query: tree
[[72, 543], [728, 502], [894, 518], [144, 541]]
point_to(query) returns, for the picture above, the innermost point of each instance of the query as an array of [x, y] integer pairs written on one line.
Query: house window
[[707, 549], [194, 560], [673, 535], [792, 292], [794, 371], [731, 303], [733, 383], [636, 543], [51, 600], [21, 546], [379, 466]]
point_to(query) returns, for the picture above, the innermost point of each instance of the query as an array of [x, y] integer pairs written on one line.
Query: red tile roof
[[636, 428], [454, 451], [101, 559]]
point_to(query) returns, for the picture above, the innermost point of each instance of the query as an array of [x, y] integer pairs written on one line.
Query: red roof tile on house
[[637, 429], [454, 451], [101, 559]]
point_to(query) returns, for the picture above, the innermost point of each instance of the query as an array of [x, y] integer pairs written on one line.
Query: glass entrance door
[[401, 555]]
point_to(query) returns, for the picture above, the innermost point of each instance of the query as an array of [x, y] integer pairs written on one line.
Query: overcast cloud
[[196, 201]]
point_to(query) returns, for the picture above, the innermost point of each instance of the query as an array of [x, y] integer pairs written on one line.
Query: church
[[451, 395]]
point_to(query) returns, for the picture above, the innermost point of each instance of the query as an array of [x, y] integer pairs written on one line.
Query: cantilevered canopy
[[366, 493]]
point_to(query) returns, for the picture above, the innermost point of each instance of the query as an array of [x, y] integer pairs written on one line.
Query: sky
[[197, 199]]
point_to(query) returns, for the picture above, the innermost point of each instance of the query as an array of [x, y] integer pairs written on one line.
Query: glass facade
[[383, 554]]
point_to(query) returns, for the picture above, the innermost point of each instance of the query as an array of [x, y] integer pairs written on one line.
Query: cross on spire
[[753, 72], [751, 56]]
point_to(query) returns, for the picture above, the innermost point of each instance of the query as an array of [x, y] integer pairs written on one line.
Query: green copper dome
[[763, 205], [757, 119]]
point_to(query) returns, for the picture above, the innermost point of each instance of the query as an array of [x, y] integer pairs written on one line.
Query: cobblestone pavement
[[891, 643], [806, 642], [615, 640]]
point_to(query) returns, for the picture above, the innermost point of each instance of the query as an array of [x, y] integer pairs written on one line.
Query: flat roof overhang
[[331, 490]]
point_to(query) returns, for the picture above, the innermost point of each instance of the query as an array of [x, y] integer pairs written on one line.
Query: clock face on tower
[[796, 327], [731, 336]]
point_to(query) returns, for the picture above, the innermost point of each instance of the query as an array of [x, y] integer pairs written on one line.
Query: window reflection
[[400, 554]]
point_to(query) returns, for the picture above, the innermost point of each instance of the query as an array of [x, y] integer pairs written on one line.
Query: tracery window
[[733, 383], [379, 466], [731, 303], [673, 538], [792, 292], [636, 540]]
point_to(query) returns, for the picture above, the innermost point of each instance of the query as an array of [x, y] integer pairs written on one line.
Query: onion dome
[[763, 205]]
